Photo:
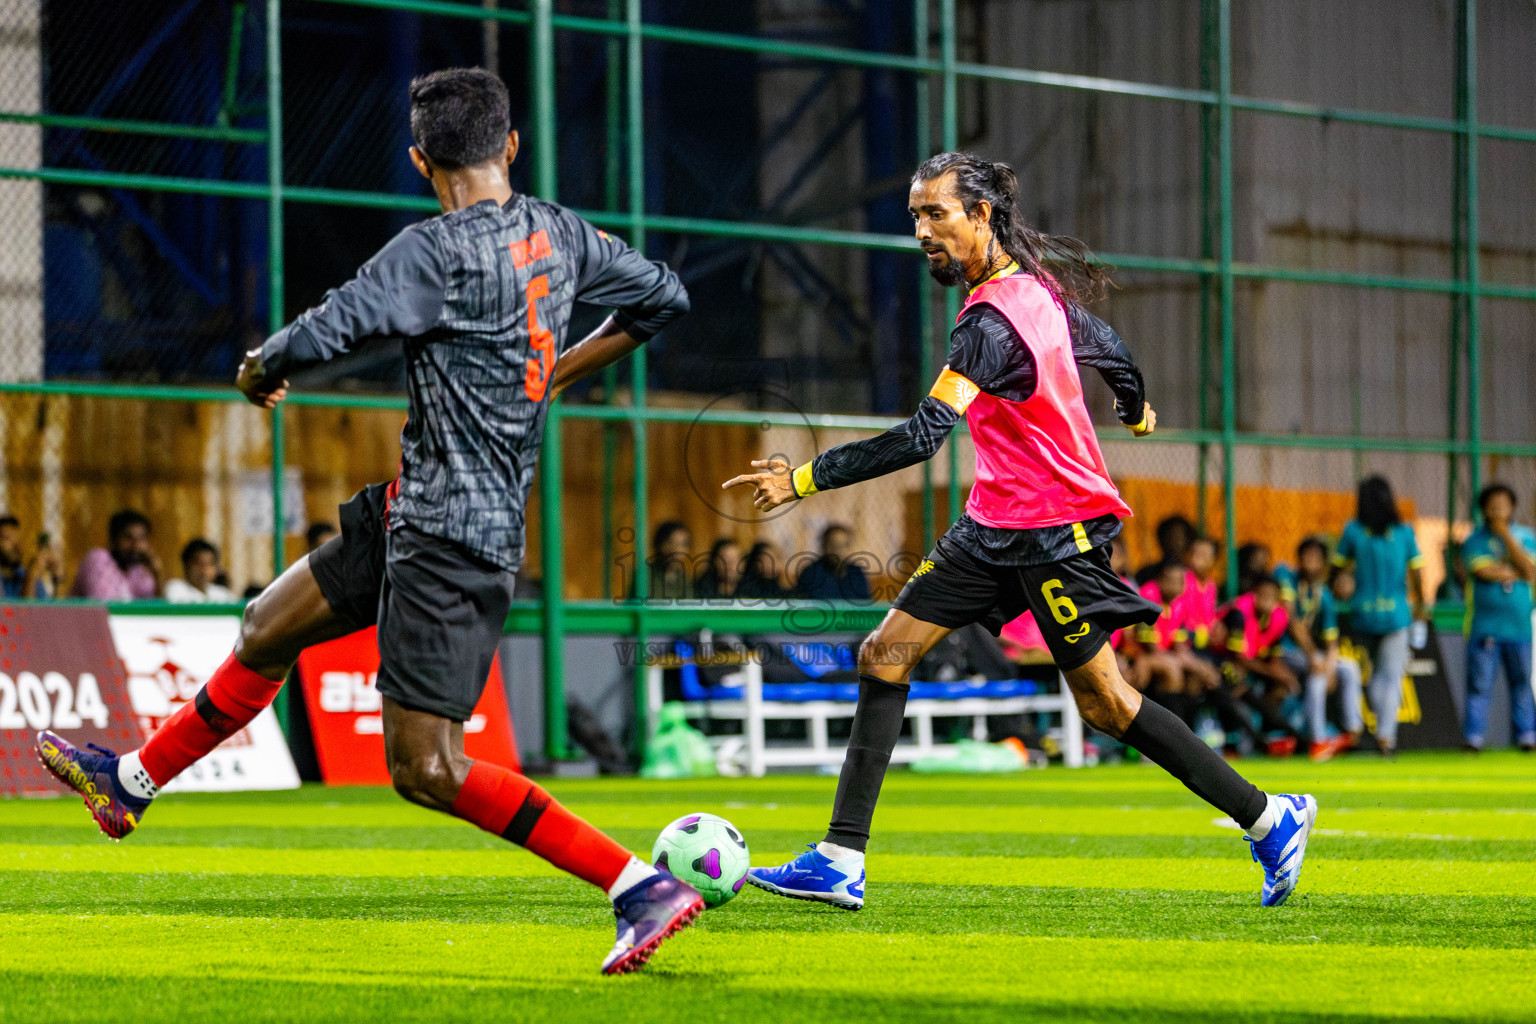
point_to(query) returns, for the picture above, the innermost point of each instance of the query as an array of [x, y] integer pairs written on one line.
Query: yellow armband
[[801, 481]]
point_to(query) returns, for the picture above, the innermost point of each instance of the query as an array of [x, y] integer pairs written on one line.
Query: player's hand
[[771, 488], [1148, 421], [253, 384]]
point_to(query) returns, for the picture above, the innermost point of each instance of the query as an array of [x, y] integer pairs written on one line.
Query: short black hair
[[460, 117], [665, 531], [1169, 565], [1483, 496], [318, 530], [10, 520], [1169, 527], [1264, 579], [195, 547], [122, 521], [1310, 543], [832, 528]]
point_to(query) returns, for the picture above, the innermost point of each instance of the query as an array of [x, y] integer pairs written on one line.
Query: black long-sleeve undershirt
[[984, 349]]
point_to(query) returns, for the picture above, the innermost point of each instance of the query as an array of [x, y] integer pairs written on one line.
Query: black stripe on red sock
[[528, 814], [209, 712]]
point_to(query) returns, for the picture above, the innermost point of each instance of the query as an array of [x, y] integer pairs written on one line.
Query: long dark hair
[[1376, 508], [1064, 265]]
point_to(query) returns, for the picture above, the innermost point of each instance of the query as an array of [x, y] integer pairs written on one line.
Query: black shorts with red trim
[[1077, 601]]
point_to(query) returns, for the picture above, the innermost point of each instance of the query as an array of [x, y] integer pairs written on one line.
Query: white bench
[[750, 752]]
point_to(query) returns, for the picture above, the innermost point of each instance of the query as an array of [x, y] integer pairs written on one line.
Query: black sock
[[1180, 704], [876, 727], [1169, 744]]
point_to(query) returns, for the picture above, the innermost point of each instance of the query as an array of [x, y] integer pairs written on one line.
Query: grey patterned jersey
[[481, 298]]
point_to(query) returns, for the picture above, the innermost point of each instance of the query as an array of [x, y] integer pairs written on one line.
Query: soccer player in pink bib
[[1036, 530]]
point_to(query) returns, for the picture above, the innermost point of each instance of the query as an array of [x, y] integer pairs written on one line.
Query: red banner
[[58, 670], [341, 695]]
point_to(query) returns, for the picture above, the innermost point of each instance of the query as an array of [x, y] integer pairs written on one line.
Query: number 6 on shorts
[[1062, 607]]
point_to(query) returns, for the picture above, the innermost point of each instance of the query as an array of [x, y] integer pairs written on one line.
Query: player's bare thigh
[[285, 618], [893, 650], [425, 754]]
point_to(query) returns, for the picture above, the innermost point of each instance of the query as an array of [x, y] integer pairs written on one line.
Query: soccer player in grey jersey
[[481, 298]]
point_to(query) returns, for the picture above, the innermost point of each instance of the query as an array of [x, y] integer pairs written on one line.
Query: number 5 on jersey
[[541, 343]]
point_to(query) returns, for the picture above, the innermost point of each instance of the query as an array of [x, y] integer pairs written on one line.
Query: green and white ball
[[707, 852]]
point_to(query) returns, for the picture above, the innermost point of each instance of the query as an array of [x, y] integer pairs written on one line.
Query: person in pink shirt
[[1256, 623], [1199, 601], [127, 569], [1166, 666], [1037, 526]]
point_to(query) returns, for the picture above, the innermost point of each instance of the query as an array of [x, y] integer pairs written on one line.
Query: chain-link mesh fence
[[120, 279]]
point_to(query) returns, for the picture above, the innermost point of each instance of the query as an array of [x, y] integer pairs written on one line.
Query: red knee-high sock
[[515, 808], [225, 705]]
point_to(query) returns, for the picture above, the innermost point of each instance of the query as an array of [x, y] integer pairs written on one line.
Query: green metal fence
[[937, 68]]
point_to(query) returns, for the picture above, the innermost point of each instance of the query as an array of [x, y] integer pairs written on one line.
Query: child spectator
[[127, 569], [200, 566], [1388, 596], [671, 562], [1314, 652], [1253, 561], [19, 579], [1164, 665], [1174, 535], [1501, 559], [760, 574], [1255, 623], [722, 576], [1200, 599]]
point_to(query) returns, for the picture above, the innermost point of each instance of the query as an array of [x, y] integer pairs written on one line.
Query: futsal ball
[[707, 852]]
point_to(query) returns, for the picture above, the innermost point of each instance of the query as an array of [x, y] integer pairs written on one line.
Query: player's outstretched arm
[[398, 293], [1095, 344], [905, 444]]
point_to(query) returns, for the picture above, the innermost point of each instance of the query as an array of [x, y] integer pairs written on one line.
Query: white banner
[[169, 658]]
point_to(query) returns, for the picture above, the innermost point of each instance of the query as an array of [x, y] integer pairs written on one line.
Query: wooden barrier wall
[[203, 470]]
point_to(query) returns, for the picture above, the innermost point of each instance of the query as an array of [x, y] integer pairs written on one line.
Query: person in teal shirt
[[1389, 595], [1500, 557]]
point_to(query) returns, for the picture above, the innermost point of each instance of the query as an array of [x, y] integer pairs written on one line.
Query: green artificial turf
[[1108, 894]]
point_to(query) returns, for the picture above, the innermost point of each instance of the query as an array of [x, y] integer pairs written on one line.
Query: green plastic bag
[[678, 750], [972, 757]]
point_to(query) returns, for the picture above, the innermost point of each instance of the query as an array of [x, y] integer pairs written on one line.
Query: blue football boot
[[648, 914], [93, 774], [1281, 852], [815, 876]]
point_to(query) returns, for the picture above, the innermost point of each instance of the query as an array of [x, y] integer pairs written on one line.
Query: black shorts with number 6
[[1078, 601]]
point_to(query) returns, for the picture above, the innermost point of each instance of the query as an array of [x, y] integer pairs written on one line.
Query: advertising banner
[[168, 659], [60, 671], [340, 681]]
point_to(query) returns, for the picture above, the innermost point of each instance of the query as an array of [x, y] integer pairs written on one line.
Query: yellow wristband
[[1140, 429], [802, 482]]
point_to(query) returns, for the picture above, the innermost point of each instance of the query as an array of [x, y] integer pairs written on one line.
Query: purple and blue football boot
[[93, 774], [648, 914], [1281, 852], [815, 876]]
